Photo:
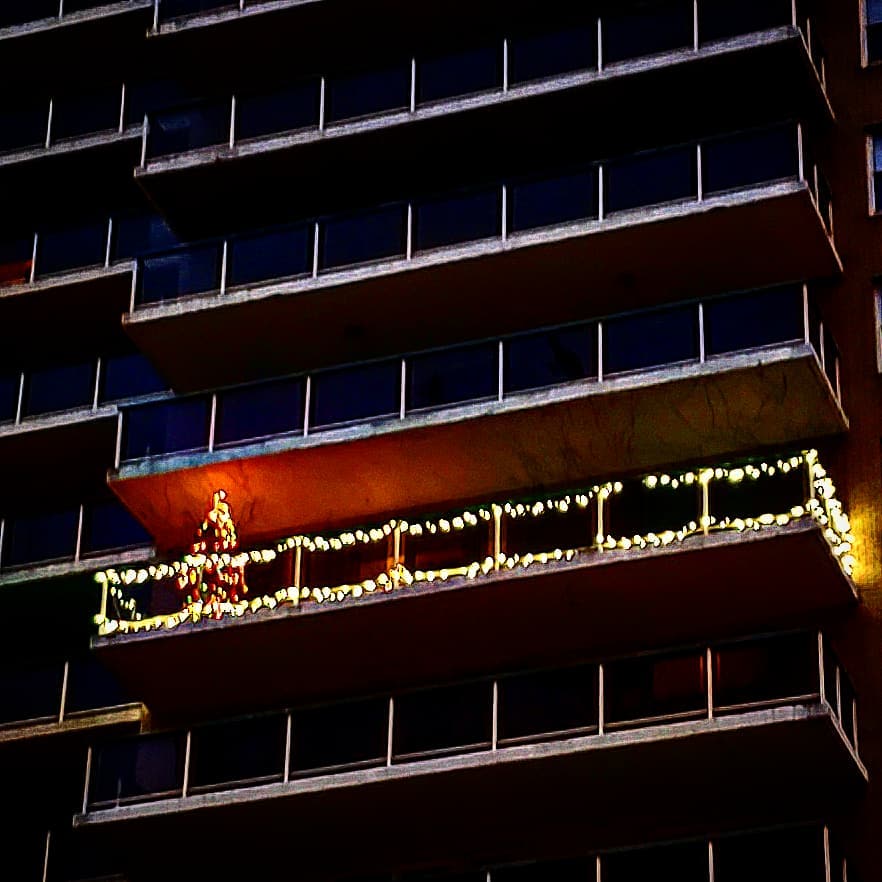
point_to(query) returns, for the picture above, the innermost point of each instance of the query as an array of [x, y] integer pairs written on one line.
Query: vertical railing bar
[[710, 860], [794, 16], [144, 128], [699, 172], [315, 251], [505, 63], [500, 357], [838, 693], [307, 404], [598, 871], [119, 434], [390, 730], [709, 660], [185, 787], [288, 733], [854, 724], [109, 243], [806, 313], [155, 15], [838, 382], [600, 352], [409, 250], [19, 408], [598, 539], [497, 536], [212, 423], [61, 8], [702, 346], [322, 104], [402, 410], [601, 196], [413, 84], [33, 274], [827, 855], [823, 353], [48, 143], [2, 534], [96, 392], [48, 843], [504, 224], [599, 44], [88, 778], [696, 43], [233, 121], [601, 699], [822, 685], [494, 739], [298, 567], [79, 546], [225, 250], [122, 108], [64, 680], [800, 147]]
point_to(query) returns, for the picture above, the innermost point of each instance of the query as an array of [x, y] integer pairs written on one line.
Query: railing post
[[315, 251], [600, 193], [413, 84], [33, 273], [598, 871], [19, 407], [500, 357], [828, 876], [223, 267], [122, 109], [806, 314], [108, 248], [838, 707], [696, 42], [710, 860], [822, 686], [709, 660], [155, 15], [402, 399], [494, 738], [505, 63], [322, 105], [497, 536], [599, 44], [854, 723], [145, 126], [119, 435], [288, 734], [409, 249], [232, 121], [600, 352], [64, 680], [700, 173], [307, 404], [79, 547], [48, 142], [504, 219], [88, 779], [800, 149], [212, 422], [702, 345], [601, 698], [390, 731], [46, 855], [185, 786]]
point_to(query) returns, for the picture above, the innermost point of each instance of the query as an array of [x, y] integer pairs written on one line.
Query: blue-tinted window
[[260, 411], [550, 357], [361, 238], [135, 235], [175, 8], [70, 248], [179, 273], [14, 12], [108, 526], [466, 217], [750, 158], [757, 318], [536, 56], [137, 769], [460, 73], [30, 693], [366, 94], [127, 376], [65, 387], [650, 339], [166, 427], [41, 537], [450, 376], [651, 179], [877, 173], [286, 110], [874, 41], [277, 254], [653, 28], [721, 19], [668, 863], [352, 395], [83, 113], [547, 201], [9, 385], [23, 127], [200, 125], [91, 686]]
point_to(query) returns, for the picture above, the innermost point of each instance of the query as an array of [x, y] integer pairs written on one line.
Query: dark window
[[59, 388], [536, 56], [180, 273], [669, 863], [24, 848], [722, 19], [71, 248], [456, 548], [108, 526], [639, 510], [578, 870], [548, 201], [15, 260], [91, 686], [30, 693], [260, 411], [14, 12], [84, 113], [175, 8], [372, 235], [752, 497], [128, 376], [651, 179], [749, 159], [462, 218], [352, 395], [277, 254], [550, 357], [442, 720], [268, 113], [366, 94], [652, 689], [649, 339], [238, 753], [23, 127], [462, 73], [650, 29], [765, 671], [135, 235], [451, 376], [757, 318], [41, 537], [200, 125], [9, 385], [770, 857], [137, 770], [546, 703], [166, 427], [340, 735], [874, 30]]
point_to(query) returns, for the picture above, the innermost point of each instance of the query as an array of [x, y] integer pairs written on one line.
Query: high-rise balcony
[[542, 410], [779, 708], [669, 556], [740, 211]]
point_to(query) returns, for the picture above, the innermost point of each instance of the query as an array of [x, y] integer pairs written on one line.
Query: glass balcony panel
[[71, 248], [22, 128], [578, 870], [41, 538], [262, 411], [539, 56], [831, 353], [447, 550], [59, 388], [339, 736], [90, 686], [290, 109], [195, 270], [137, 770], [452, 376], [155, 95], [166, 427], [206, 124], [874, 41], [466, 72], [650, 339], [749, 159], [573, 529], [30, 693], [686, 862], [452, 718], [548, 702], [546, 202], [354, 395], [9, 385], [15, 260], [722, 19], [466, 217], [655, 689], [128, 376], [136, 235], [177, 8], [647, 179], [351, 566], [276, 254], [750, 498], [85, 113], [365, 237], [846, 700], [766, 670], [648, 30], [753, 319], [108, 526], [771, 856], [160, 598], [238, 753], [639, 510], [16, 12], [368, 94], [548, 358]]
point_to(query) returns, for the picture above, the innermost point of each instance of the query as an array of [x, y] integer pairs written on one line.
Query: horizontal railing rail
[[483, 715], [15, 13]]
